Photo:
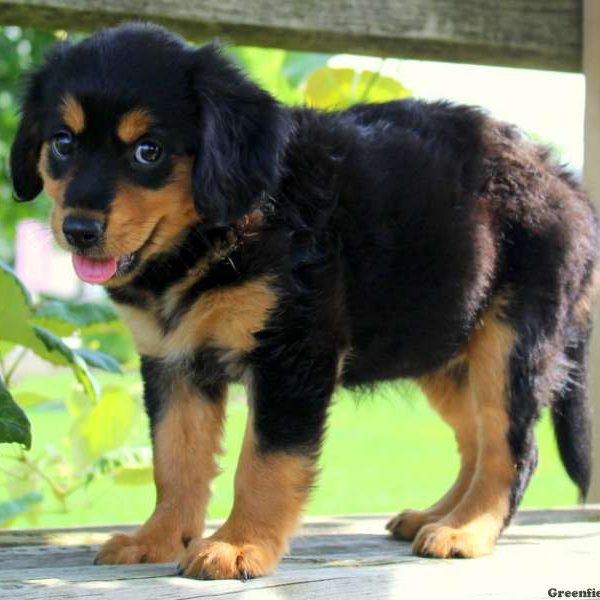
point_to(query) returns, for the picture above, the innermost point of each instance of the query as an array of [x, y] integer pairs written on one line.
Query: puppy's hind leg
[[449, 394], [501, 375]]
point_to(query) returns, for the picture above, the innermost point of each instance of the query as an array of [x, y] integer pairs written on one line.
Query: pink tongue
[[94, 270]]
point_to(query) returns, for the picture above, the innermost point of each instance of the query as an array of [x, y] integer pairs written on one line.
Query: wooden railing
[[541, 34]]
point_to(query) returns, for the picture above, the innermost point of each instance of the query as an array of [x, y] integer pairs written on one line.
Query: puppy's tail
[[572, 418]]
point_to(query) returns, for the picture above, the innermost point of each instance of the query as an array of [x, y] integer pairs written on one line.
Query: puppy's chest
[[224, 319]]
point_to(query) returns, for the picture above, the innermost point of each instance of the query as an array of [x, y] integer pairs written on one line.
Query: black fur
[[229, 177], [26, 148], [572, 418], [159, 377]]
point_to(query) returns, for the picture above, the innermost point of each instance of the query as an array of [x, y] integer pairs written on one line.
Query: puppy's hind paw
[[122, 549]]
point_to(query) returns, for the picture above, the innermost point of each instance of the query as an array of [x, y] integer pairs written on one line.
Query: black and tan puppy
[[296, 250]]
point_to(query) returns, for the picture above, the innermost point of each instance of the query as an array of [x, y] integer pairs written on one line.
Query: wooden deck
[[333, 558]]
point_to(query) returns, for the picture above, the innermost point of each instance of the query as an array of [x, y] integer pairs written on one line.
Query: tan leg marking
[[472, 527], [186, 439], [270, 491], [454, 402]]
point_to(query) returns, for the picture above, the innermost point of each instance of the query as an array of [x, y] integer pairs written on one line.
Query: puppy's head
[[137, 136]]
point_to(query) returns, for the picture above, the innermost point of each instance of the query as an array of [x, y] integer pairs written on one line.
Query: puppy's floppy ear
[[242, 136], [25, 152]]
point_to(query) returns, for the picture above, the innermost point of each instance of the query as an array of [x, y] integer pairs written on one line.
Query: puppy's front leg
[[275, 471], [187, 423]]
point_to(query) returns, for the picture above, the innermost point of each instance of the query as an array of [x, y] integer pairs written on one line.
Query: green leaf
[[134, 476], [57, 352], [64, 318], [15, 308], [5, 348], [19, 478], [10, 283], [13, 508], [115, 340], [77, 405], [29, 399], [340, 88], [264, 65], [128, 466], [99, 360], [297, 66], [15, 314], [14, 424], [105, 426]]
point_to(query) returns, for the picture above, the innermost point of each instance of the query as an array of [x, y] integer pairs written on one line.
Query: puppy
[[296, 250]]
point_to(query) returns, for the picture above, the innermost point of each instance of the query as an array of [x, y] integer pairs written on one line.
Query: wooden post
[[591, 69]]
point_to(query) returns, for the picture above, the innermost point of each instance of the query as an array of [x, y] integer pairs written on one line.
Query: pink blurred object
[[42, 266]]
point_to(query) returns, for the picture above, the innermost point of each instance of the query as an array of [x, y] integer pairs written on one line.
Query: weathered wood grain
[[332, 558], [542, 34]]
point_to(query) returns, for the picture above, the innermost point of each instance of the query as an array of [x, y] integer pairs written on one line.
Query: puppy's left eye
[[147, 152]]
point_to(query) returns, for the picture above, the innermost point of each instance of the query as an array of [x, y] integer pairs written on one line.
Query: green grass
[[384, 453]]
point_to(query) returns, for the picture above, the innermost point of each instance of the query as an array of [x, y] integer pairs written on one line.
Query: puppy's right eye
[[63, 144]]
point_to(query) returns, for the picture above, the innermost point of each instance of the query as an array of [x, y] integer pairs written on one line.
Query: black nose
[[82, 233]]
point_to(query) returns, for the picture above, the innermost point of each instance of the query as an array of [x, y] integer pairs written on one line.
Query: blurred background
[[70, 394]]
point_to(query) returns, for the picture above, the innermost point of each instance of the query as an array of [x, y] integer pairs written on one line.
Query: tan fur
[[133, 125], [55, 188], [455, 404], [270, 491], [150, 220], [144, 329], [226, 318], [472, 527], [172, 296], [73, 114], [186, 440], [583, 307]]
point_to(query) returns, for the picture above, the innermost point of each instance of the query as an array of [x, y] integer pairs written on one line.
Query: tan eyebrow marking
[[73, 114], [134, 124]]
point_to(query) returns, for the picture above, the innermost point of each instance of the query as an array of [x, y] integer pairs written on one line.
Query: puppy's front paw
[[219, 559], [122, 549], [441, 541]]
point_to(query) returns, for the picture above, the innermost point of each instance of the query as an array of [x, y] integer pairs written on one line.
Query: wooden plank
[[544, 34], [591, 62], [333, 557]]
